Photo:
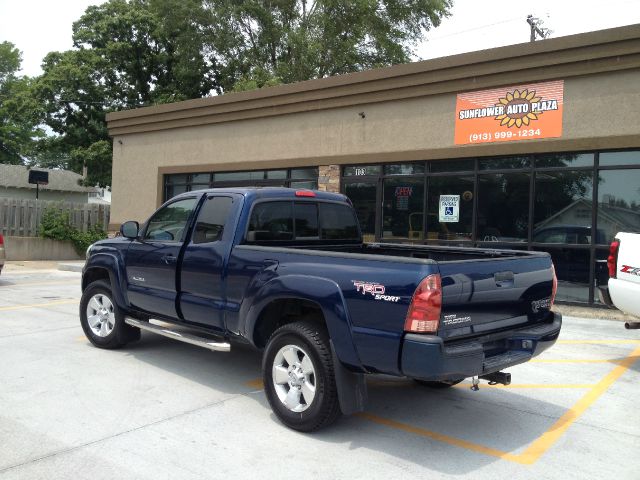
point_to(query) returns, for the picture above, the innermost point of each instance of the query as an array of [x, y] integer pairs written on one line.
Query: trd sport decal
[[374, 289]]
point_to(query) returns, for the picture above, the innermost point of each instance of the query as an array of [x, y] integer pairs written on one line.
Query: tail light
[[554, 288], [424, 312], [612, 259], [1, 239]]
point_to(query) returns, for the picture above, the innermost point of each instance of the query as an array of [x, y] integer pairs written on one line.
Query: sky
[[37, 27]]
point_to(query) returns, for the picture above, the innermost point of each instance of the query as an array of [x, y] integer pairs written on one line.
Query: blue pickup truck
[[286, 271]]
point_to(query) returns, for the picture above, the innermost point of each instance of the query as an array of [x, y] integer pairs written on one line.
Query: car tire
[[438, 385], [101, 319], [299, 379]]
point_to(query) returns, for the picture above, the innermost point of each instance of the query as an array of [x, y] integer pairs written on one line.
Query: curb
[[71, 267]]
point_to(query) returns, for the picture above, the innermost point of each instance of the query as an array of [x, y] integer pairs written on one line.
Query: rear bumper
[[427, 357]]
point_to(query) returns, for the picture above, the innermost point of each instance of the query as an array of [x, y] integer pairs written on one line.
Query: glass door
[[363, 195]]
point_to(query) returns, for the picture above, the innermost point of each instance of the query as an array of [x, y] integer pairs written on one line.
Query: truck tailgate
[[484, 295]]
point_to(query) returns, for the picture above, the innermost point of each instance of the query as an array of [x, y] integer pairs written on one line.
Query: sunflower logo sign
[[521, 112]]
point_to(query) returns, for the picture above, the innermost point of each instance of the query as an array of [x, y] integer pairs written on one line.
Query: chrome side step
[[180, 336]]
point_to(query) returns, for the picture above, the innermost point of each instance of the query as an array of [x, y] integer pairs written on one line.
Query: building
[[63, 186], [482, 149]]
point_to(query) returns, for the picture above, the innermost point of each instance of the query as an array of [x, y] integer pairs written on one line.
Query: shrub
[[55, 225]]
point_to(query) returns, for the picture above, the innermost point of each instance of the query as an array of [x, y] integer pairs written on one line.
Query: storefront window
[[572, 269], [564, 160], [204, 178], [277, 174], [294, 178], [452, 165], [503, 163], [238, 176], [503, 207], [403, 204], [438, 226], [304, 173], [618, 202], [619, 158], [363, 197], [562, 209], [404, 169], [362, 170]]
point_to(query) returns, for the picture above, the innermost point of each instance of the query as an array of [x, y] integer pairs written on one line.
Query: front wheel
[[101, 319], [298, 374]]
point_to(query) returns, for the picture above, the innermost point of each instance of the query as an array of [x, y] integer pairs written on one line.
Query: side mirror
[[129, 229]]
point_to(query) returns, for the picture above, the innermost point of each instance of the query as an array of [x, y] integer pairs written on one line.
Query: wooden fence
[[22, 217]]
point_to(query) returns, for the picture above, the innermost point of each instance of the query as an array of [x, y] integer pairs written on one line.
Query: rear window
[[283, 221]]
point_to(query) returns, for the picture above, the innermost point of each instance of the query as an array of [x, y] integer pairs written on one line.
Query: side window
[[168, 223], [337, 222], [271, 221], [211, 219]]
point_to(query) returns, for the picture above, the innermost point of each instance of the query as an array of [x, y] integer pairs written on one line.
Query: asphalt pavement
[[160, 409]]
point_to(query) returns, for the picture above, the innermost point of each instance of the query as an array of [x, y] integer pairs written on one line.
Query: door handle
[[168, 259]]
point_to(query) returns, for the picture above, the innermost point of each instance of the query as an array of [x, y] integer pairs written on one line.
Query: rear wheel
[[440, 384], [102, 320], [298, 374]]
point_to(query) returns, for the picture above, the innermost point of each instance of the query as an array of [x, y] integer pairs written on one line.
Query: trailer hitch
[[494, 378]]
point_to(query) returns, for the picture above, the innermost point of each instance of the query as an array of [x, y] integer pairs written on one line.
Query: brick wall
[[329, 178]]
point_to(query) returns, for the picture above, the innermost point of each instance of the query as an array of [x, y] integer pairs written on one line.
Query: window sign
[[449, 208], [402, 197]]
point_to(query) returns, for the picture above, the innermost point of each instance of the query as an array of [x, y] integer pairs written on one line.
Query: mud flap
[[352, 387]]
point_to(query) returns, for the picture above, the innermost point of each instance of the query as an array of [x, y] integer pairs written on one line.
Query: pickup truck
[[622, 290], [286, 272]]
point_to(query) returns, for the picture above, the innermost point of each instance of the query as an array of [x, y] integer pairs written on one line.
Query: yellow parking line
[[255, 383], [547, 439], [604, 342], [440, 437], [37, 305]]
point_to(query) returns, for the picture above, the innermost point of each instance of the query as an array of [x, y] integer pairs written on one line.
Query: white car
[[623, 288]]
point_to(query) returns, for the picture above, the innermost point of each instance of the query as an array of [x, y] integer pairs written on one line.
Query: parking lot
[[162, 409]]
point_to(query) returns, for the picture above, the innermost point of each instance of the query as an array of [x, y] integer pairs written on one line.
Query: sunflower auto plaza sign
[[521, 112]]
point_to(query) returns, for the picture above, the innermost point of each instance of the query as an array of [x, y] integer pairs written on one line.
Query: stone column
[[329, 178]]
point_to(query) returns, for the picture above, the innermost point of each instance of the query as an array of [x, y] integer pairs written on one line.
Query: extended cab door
[[202, 296], [152, 258]]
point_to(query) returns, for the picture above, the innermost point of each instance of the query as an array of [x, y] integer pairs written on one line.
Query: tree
[[127, 54], [265, 42], [20, 114], [132, 53]]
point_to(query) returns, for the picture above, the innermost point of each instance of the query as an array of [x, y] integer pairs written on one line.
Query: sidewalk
[[24, 266]]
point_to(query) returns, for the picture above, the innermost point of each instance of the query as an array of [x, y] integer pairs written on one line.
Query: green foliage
[[20, 113], [295, 40], [56, 225], [132, 53]]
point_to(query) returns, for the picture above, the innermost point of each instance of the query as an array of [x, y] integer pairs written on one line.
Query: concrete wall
[[35, 248]]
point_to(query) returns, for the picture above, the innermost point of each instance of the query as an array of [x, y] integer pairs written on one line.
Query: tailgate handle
[[504, 279]]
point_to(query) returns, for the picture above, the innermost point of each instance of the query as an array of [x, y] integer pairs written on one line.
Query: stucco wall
[[600, 111]]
